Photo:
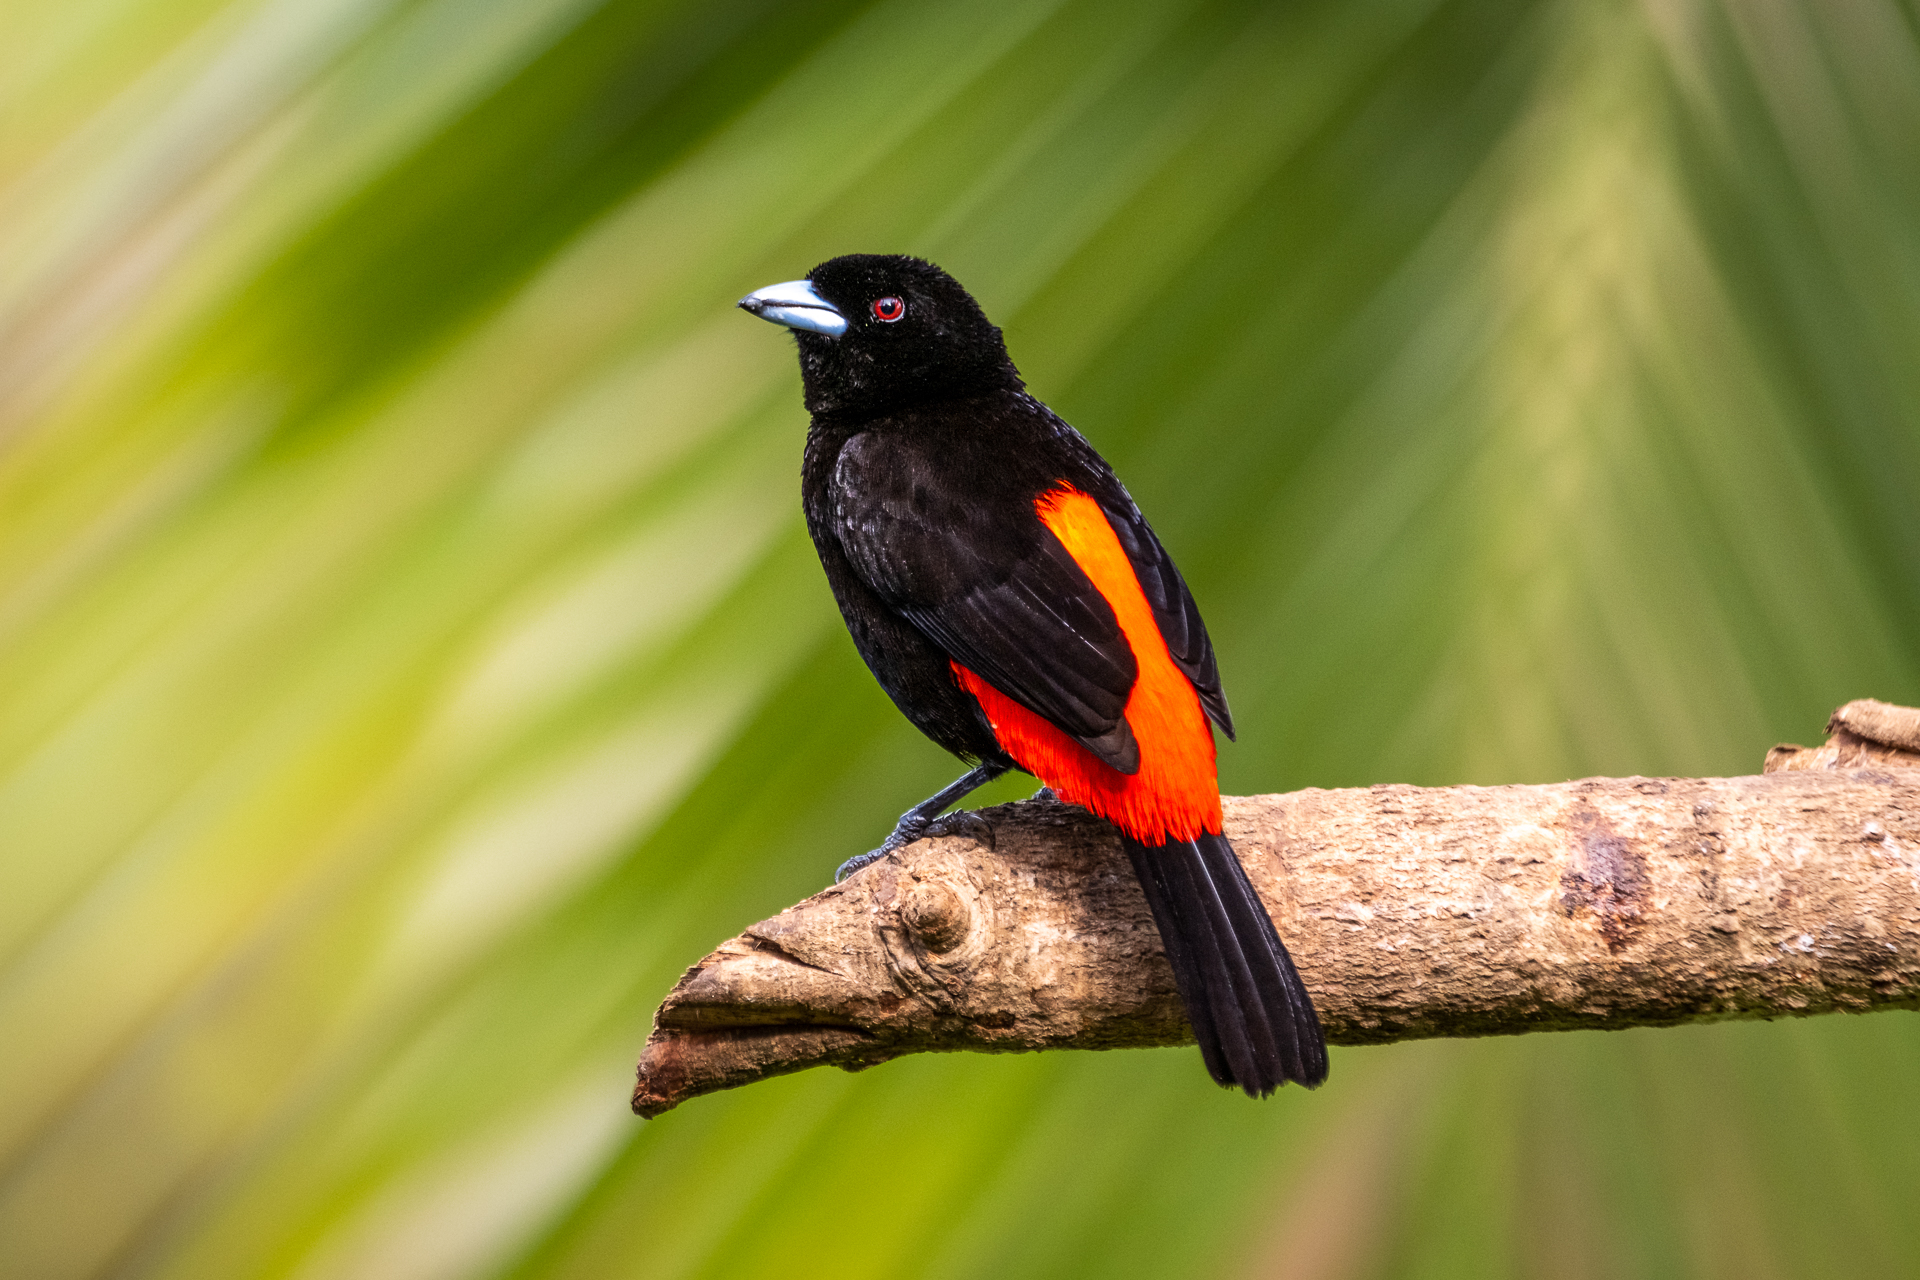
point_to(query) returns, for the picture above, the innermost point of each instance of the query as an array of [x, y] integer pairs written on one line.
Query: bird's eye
[[888, 309]]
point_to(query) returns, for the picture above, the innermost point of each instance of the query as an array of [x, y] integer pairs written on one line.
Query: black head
[[879, 332]]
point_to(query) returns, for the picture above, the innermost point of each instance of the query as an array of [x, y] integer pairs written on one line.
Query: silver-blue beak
[[795, 305]]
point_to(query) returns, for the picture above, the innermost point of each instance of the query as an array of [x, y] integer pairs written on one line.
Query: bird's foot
[[961, 822], [1045, 796], [910, 828], [923, 819]]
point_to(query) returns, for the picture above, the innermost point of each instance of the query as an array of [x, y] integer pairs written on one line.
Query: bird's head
[[879, 332]]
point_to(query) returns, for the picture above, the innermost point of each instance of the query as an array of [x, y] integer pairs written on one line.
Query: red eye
[[888, 309]]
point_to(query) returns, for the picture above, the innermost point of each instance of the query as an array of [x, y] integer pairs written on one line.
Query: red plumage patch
[[1175, 794]]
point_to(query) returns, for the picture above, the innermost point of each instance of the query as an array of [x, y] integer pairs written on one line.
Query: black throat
[[848, 380]]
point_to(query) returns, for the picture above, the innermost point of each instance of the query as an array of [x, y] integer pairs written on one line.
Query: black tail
[[1255, 1024]]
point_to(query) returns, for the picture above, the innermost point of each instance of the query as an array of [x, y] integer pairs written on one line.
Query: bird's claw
[[961, 822], [1045, 796], [858, 861], [909, 829]]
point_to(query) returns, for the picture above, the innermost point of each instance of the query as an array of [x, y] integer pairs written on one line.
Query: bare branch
[[1411, 912]]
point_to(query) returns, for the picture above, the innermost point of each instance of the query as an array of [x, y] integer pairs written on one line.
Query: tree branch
[[1411, 912]]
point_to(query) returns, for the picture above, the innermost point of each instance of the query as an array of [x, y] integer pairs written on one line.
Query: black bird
[[1017, 608]]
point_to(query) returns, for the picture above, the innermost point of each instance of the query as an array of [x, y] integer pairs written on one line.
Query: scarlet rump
[[1016, 606]]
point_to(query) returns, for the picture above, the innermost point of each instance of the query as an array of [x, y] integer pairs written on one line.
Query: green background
[[411, 657]]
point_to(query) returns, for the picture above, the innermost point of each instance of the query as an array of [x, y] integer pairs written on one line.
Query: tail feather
[[1297, 1043], [1152, 873], [1254, 1021], [1230, 982]]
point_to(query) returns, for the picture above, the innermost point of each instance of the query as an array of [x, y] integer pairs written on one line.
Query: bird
[[1008, 595]]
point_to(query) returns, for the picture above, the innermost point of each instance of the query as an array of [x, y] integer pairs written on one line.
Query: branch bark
[[1411, 912]]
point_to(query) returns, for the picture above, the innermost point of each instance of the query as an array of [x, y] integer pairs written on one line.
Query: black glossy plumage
[[923, 463]]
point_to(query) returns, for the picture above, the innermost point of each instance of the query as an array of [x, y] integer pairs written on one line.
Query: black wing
[[982, 578]]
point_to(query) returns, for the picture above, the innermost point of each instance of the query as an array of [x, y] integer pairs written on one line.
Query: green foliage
[[411, 659]]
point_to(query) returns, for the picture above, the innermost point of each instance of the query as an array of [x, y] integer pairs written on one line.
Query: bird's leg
[[919, 820], [1045, 796]]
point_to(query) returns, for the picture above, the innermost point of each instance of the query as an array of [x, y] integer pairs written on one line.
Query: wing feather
[[995, 590]]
